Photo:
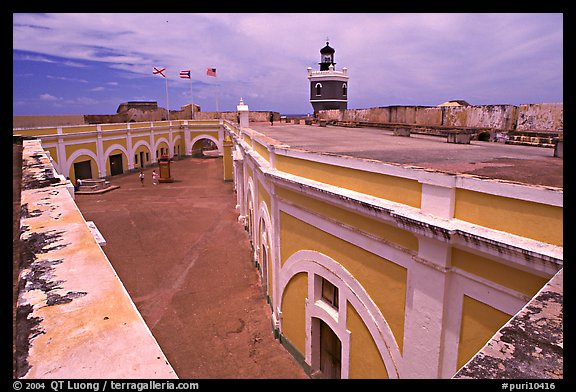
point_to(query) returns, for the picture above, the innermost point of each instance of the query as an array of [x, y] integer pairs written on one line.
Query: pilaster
[[425, 298]]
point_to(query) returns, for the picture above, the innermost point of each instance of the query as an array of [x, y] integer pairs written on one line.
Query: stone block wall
[[541, 117], [545, 117]]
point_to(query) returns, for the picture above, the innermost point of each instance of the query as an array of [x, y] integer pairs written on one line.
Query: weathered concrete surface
[[542, 117], [186, 261], [524, 164], [74, 318], [530, 345]]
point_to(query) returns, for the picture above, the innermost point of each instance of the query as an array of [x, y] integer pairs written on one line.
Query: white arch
[[251, 204], [199, 137], [174, 140], [160, 140], [116, 147], [140, 143], [316, 263], [265, 238], [83, 151]]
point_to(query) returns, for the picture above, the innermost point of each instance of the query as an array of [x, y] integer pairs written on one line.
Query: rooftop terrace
[[524, 164]]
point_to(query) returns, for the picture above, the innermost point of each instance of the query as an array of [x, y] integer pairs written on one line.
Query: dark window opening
[[330, 293]]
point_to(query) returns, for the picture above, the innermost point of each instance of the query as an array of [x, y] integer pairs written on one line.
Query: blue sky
[[90, 63]]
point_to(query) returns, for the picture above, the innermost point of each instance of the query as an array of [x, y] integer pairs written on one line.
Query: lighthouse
[[328, 87]]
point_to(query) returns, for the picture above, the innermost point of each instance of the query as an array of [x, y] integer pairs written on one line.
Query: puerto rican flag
[[185, 74]]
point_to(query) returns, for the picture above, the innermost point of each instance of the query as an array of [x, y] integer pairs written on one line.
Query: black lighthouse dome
[[326, 57]]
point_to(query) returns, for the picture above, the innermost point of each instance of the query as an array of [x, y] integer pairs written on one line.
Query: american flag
[[185, 74], [211, 72]]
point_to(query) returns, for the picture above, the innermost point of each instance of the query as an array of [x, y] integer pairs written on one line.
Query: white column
[[438, 195], [129, 147], [61, 155], [100, 153], [187, 144], [243, 112], [425, 309], [153, 143]]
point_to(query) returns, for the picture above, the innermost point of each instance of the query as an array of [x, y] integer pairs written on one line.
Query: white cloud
[[392, 58], [48, 97]]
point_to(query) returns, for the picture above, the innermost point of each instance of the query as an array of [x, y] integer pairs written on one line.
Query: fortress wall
[[527, 117], [46, 121], [541, 117], [254, 116], [485, 116], [429, 116]]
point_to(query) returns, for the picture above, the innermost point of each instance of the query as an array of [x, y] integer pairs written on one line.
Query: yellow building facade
[[377, 270], [371, 269], [103, 150]]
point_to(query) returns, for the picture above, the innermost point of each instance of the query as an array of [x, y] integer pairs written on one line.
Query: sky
[[90, 63]]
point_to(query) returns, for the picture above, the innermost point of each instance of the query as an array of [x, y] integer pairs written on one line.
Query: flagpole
[[217, 95], [191, 98], [167, 102]]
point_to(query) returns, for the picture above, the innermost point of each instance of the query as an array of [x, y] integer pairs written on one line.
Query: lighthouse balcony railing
[[329, 72]]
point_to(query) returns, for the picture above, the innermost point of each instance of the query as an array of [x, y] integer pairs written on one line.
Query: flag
[[160, 71], [211, 72], [185, 74]]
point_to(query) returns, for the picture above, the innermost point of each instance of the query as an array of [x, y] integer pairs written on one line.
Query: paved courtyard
[[185, 260]]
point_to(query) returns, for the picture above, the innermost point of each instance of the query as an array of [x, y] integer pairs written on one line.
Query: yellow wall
[[499, 273], [124, 161], [365, 359], [384, 281], [137, 138], [193, 134], [145, 150], [53, 154], [294, 311], [533, 220], [263, 196], [262, 150], [107, 143], [140, 125], [227, 160], [397, 189], [247, 138], [479, 323], [110, 127], [81, 158], [91, 146], [86, 128], [36, 132], [387, 232]]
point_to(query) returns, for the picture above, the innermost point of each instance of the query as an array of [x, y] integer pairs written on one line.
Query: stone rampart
[[545, 117]]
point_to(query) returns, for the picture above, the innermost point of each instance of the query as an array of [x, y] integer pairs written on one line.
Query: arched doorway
[[330, 350], [204, 148]]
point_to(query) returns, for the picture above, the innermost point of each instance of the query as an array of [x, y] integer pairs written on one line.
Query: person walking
[[154, 177], [271, 118], [141, 176]]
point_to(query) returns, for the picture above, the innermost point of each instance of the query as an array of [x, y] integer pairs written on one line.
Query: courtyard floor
[[185, 261]]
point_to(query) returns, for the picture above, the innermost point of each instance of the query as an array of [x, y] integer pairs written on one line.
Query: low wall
[[47, 121], [545, 117], [254, 116], [74, 318]]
